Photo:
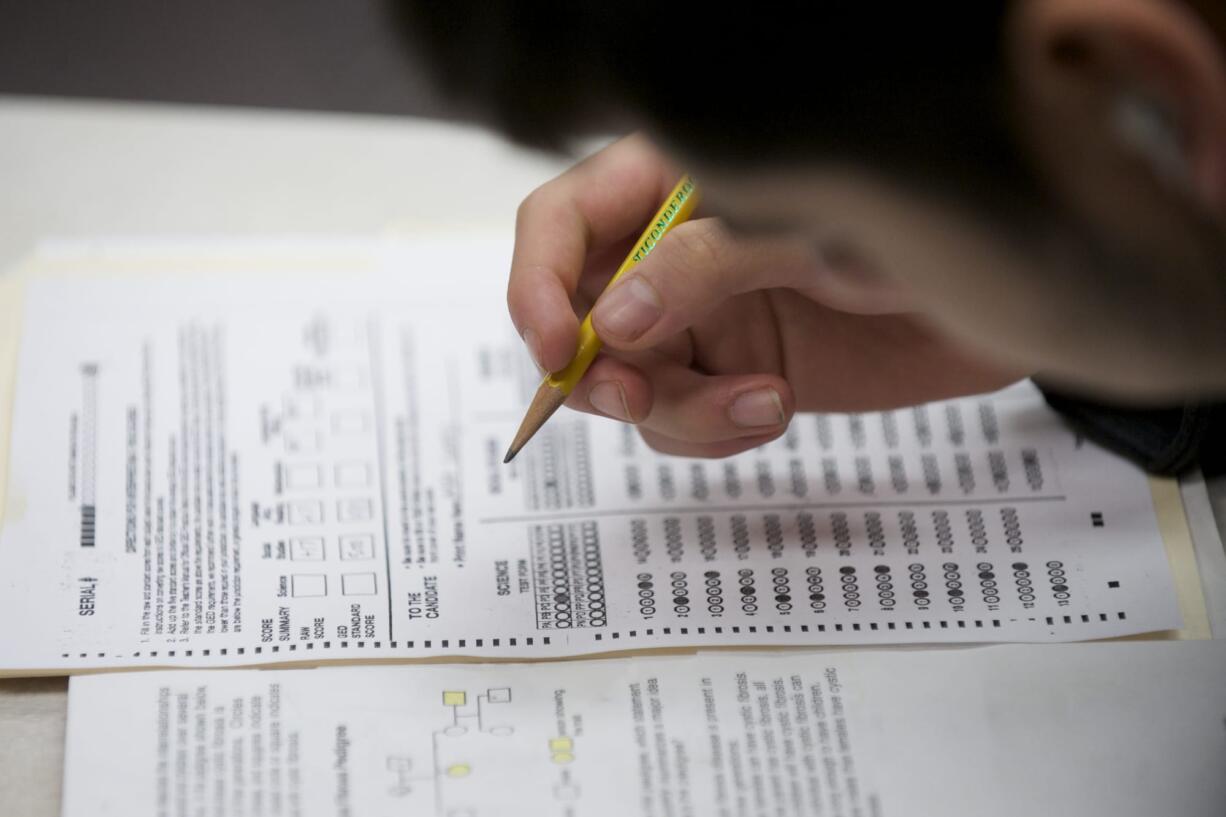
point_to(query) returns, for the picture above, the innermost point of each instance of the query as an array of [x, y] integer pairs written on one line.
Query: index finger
[[562, 224]]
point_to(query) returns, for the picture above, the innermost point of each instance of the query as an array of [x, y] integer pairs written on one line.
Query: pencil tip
[[545, 402]]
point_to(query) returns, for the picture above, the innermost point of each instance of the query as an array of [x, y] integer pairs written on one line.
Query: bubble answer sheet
[[1126, 730], [248, 453]]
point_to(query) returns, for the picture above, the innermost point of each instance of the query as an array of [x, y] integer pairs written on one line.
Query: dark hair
[[914, 89]]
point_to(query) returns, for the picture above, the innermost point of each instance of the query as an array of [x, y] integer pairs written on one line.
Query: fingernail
[[755, 409], [533, 341], [609, 398], [627, 310]]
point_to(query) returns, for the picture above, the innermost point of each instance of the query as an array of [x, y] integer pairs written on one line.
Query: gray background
[[334, 55]]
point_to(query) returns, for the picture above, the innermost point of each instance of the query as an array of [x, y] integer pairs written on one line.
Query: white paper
[[1103, 729], [232, 467]]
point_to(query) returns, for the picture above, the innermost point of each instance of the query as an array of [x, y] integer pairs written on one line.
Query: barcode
[[89, 450], [87, 526]]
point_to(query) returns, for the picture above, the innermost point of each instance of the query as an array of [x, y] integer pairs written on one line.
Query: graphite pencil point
[[545, 402]]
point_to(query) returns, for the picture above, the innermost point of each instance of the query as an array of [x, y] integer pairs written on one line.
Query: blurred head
[[1044, 178]]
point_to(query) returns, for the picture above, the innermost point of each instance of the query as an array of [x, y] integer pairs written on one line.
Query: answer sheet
[[231, 466], [1127, 730]]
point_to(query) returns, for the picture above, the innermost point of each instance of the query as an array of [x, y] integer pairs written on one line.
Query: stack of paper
[[261, 454]]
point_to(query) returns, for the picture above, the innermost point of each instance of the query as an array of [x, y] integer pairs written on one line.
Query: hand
[[713, 341]]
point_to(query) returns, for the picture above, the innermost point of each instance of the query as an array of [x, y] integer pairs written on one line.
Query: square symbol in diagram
[[358, 584], [359, 509], [302, 441], [501, 695], [357, 546], [301, 406], [309, 585], [349, 378], [306, 512], [454, 698], [306, 548], [353, 475], [351, 421], [303, 477]]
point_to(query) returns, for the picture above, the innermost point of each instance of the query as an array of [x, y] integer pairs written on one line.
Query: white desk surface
[[82, 169]]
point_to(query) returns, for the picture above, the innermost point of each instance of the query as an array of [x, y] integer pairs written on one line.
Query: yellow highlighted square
[[561, 745], [454, 698]]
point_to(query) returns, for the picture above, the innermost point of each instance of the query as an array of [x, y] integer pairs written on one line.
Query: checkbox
[[349, 378], [357, 546], [353, 475], [358, 584], [298, 407], [306, 548], [354, 510], [308, 585], [306, 512], [351, 421], [303, 477], [303, 441]]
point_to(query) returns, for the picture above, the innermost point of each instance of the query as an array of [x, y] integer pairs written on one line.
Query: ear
[[1123, 103]]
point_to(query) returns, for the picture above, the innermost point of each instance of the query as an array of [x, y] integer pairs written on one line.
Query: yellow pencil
[[556, 386]]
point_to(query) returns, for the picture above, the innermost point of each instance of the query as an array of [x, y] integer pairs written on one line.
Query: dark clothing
[[1165, 441]]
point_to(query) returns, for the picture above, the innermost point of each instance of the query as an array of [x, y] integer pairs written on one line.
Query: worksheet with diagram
[[233, 465], [1006, 730]]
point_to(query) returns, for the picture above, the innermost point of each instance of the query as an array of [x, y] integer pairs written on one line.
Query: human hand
[[714, 340]]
